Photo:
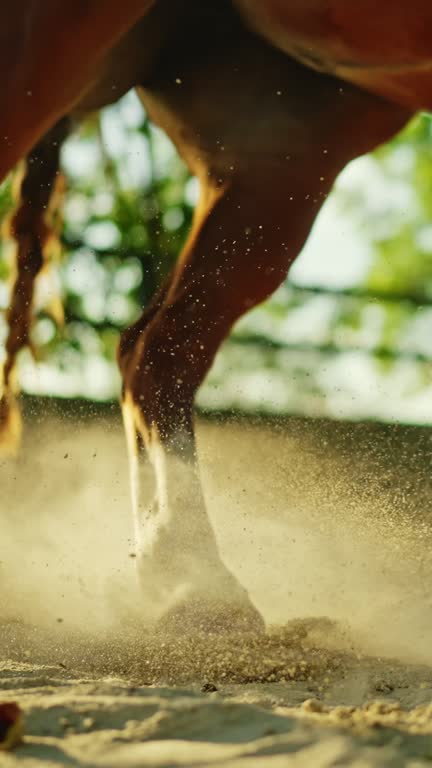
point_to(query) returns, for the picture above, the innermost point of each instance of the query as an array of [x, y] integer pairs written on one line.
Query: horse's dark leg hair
[[32, 226]]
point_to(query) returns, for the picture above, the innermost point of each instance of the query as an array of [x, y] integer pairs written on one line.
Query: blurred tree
[[128, 208], [394, 210], [126, 215]]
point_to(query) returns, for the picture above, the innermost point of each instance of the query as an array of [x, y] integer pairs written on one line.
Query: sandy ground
[[330, 534]]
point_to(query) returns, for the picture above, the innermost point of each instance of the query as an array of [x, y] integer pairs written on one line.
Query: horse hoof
[[201, 616]]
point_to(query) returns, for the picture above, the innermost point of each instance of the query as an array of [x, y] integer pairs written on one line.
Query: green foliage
[[125, 219], [129, 207], [5, 207], [397, 222], [403, 258]]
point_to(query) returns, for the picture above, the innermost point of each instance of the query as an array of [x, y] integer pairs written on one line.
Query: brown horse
[[266, 136]]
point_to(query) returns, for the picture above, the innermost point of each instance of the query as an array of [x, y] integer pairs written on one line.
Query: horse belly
[[384, 47]]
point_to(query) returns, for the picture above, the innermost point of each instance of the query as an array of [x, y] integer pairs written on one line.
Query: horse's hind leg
[[32, 226], [224, 269], [264, 172]]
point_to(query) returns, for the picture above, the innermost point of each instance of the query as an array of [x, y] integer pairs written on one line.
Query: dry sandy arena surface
[[328, 526]]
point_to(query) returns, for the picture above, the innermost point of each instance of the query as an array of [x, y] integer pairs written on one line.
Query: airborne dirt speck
[[327, 525]]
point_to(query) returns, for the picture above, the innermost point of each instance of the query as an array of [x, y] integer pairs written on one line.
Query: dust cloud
[[326, 524], [317, 520]]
